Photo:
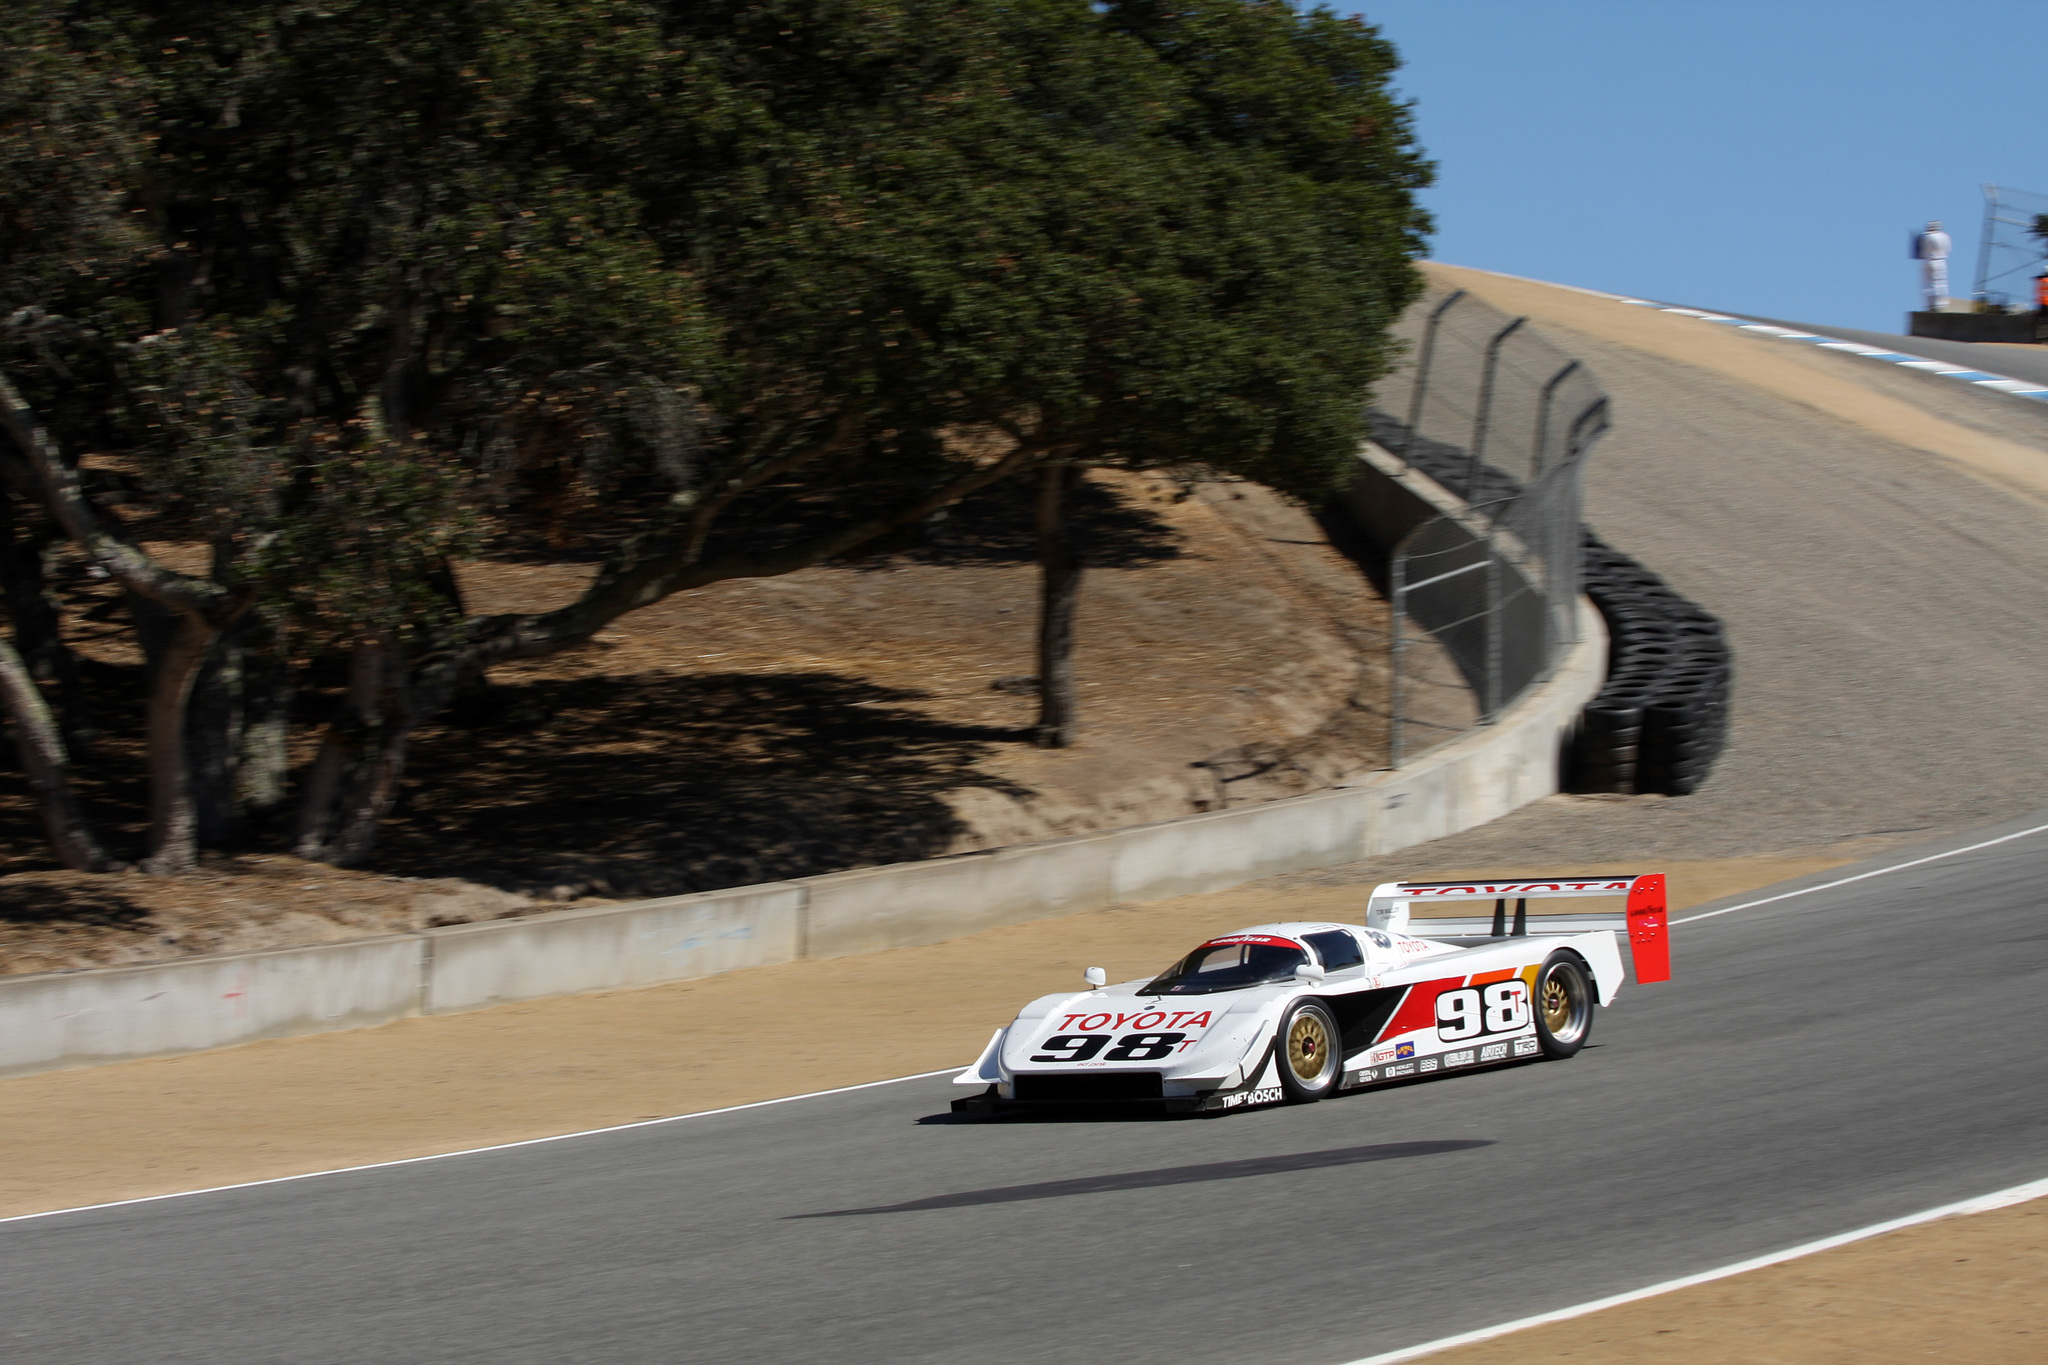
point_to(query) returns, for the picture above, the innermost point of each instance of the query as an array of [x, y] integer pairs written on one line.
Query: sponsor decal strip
[[1241, 1099], [1570, 886], [2006, 1198]]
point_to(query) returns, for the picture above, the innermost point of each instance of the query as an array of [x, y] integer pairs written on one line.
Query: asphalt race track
[[1821, 1063]]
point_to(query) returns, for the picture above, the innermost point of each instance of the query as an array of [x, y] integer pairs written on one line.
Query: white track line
[[1879, 872], [475, 1151], [2017, 1194]]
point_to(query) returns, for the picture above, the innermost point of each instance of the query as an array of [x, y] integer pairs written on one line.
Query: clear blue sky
[[1762, 156]]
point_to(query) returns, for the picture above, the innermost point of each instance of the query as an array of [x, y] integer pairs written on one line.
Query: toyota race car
[[1298, 1011]]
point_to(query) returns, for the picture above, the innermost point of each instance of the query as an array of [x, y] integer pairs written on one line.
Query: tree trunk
[[362, 757], [38, 632], [48, 767], [266, 732], [203, 608], [1059, 587], [375, 791], [213, 735], [173, 822]]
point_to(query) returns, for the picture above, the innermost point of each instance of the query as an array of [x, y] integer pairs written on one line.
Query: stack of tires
[[1662, 719]]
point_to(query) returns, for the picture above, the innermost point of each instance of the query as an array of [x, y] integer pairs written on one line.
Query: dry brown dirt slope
[[840, 717]]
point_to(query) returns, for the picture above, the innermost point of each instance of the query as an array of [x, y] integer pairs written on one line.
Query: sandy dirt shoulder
[[1966, 1291]]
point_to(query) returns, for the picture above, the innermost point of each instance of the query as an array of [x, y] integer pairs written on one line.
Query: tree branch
[[494, 639], [210, 602]]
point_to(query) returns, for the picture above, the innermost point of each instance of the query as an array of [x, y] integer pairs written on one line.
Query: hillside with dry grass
[[864, 712]]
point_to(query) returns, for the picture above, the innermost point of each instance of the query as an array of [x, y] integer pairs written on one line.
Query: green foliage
[[1144, 237], [374, 264], [307, 250], [498, 235], [367, 553]]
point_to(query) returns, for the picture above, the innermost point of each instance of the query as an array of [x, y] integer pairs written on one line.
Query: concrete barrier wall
[[642, 944], [76, 1018]]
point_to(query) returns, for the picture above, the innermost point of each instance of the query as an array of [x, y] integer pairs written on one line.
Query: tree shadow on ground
[[659, 785], [993, 526], [996, 526], [58, 899]]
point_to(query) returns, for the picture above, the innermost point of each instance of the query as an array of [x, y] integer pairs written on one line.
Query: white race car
[[1297, 1011]]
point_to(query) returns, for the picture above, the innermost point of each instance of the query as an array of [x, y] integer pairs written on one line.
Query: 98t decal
[[1502, 1007], [1147, 1035], [1132, 1047]]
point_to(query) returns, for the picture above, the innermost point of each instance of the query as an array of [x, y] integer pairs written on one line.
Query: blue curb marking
[[2019, 388]]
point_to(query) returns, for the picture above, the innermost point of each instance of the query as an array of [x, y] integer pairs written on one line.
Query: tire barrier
[[1662, 719]]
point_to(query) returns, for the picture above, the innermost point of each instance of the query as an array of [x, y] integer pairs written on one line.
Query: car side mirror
[[1310, 972], [1096, 977]]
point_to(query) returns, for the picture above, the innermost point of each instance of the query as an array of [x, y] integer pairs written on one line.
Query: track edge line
[[479, 1151], [1983, 1203]]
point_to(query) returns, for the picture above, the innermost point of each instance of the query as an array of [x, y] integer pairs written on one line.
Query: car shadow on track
[[1170, 1175], [1142, 1112]]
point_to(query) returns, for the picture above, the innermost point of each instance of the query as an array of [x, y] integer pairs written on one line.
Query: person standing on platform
[[1931, 249]]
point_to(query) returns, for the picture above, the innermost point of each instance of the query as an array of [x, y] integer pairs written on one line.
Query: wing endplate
[[1648, 921]]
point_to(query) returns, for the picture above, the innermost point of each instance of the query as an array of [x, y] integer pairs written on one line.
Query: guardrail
[[78, 1018]]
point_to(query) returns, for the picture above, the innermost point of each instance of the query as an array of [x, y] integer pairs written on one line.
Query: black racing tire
[[1563, 1004], [1310, 1051]]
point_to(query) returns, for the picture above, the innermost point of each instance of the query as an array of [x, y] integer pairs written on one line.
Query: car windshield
[[1230, 964]]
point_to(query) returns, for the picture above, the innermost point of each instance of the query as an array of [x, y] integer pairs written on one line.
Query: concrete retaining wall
[[646, 943], [68, 1018], [78, 1018]]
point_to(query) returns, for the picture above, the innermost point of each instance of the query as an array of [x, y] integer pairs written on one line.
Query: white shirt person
[[1931, 249]]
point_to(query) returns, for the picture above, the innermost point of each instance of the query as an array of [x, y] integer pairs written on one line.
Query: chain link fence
[[1503, 420]]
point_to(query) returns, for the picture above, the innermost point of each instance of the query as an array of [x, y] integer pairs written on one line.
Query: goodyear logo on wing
[[1404, 1049]]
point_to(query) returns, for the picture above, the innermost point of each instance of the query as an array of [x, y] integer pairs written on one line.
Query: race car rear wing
[[1643, 915]]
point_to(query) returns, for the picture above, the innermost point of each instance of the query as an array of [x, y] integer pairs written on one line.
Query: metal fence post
[[1543, 413], [1484, 415], [1492, 700], [1397, 577], [1436, 316], [1503, 620]]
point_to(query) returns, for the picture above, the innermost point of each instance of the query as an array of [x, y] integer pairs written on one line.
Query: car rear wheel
[[1311, 1057], [1564, 1005]]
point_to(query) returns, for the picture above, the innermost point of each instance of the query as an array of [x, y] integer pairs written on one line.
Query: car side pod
[[1648, 921]]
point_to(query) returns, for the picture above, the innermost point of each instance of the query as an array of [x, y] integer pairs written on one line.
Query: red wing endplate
[[1647, 921]]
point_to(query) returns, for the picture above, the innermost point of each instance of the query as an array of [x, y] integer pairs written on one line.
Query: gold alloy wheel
[[1308, 1046], [1557, 1004]]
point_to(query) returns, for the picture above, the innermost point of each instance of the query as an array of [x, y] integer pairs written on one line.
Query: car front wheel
[[1311, 1054]]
